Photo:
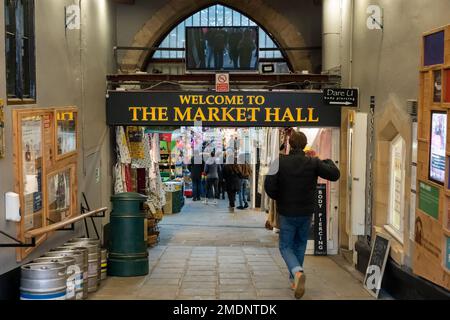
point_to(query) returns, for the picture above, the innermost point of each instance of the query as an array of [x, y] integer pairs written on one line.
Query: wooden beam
[[59, 225], [131, 2], [210, 77]]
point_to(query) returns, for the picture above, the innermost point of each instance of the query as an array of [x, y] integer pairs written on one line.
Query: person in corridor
[[196, 169], [245, 173], [232, 183], [294, 187], [212, 178]]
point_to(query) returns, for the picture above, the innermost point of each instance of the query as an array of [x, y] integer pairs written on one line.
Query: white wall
[[67, 74]]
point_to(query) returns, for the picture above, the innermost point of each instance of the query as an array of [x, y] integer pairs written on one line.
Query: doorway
[[254, 146]]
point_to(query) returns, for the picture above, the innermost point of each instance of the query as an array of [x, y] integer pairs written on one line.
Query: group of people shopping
[[221, 177]]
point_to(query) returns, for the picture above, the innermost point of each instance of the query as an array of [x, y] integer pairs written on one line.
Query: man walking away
[[246, 172], [231, 177], [294, 188], [212, 177], [196, 175]]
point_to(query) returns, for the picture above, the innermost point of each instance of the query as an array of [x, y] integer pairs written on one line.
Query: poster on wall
[[2, 131], [438, 146], [31, 128], [429, 199], [397, 182], [66, 132], [59, 195], [437, 88]]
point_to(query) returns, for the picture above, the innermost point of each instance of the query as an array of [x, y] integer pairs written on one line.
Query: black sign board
[[377, 263], [240, 108], [320, 222], [341, 97]]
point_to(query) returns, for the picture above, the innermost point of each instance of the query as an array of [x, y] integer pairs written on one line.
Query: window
[[214, 16], [397, 187], [20, 55]]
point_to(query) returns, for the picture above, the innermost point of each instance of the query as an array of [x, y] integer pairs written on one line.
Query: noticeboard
[[377, 264], [429, 200]]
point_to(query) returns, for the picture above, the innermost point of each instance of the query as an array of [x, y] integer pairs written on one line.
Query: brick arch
[[281, 29]]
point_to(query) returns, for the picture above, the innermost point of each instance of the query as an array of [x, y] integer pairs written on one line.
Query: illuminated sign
[[242, 109]]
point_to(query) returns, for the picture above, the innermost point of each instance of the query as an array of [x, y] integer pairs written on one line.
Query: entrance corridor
[[205, 252]]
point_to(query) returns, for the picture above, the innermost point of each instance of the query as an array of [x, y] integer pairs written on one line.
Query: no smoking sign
[[222, 82]]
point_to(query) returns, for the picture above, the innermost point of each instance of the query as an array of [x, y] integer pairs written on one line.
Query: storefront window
[[397, 186]]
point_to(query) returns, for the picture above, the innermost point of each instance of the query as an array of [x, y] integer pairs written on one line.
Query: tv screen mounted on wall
[[438, 146], [222, 48]]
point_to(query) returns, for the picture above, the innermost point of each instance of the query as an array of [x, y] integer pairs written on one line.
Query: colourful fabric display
[[122, 146]]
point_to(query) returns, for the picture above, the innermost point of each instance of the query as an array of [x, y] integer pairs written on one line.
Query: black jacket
[[294, 185], [196, 169], [231, 177]]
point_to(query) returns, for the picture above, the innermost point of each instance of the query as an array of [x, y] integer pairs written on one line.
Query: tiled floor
[[207, 253]]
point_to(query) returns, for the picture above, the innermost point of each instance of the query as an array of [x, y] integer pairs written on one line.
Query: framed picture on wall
[[437, 86], [66, 132]]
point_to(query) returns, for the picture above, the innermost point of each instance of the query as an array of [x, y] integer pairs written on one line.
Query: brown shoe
[[299, 285]]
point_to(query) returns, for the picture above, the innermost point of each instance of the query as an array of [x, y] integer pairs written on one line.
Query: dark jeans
[[231, 198], [243, 193], [218, 59], [196, 188], [221, 189], [211, 183], [294, 232]]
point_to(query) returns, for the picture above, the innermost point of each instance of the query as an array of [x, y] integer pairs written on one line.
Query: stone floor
[[207, 253]]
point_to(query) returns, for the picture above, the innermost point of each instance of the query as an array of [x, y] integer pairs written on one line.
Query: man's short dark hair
[[298, 140]]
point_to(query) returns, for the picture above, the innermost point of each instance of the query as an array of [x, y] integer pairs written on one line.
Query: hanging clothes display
[[137, 169], [122, 146], [118, 181], [145, 160]]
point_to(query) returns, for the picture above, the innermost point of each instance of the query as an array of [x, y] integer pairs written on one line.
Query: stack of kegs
[[94, 260], [71, 274], [43, 281], [68, 272], [104, 263], [80, 268]]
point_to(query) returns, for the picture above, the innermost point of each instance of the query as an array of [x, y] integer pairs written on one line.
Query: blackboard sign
[[320, 222], [377, 263]]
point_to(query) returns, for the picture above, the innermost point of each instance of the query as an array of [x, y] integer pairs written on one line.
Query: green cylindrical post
[[128, 254]]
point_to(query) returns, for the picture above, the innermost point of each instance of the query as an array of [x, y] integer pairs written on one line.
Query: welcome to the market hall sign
[[237, 109]]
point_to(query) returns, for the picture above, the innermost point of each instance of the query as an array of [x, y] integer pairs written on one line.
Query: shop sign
[[243, 109], [429, 200], [320, 222], [341, 97]]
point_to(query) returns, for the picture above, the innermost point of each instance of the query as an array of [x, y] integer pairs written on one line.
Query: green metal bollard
[[128, 256]]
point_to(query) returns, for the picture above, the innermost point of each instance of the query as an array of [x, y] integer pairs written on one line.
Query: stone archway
[[281, 29]]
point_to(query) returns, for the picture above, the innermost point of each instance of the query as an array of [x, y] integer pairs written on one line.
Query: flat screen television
[[438, 146], [222, 48]]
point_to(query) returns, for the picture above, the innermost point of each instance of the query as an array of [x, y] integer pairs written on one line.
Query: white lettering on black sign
[[320, 222]]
